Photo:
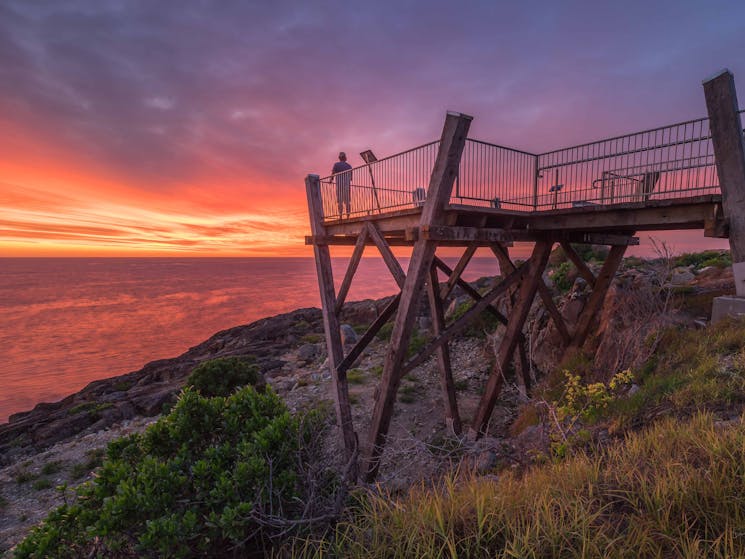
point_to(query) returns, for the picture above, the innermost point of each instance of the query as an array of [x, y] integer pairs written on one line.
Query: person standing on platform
[[343, 177]]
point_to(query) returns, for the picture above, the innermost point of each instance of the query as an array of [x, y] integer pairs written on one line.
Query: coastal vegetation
[[215, 476], [641, 459]]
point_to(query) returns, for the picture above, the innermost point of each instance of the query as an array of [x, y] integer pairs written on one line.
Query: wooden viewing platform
[[459, 192]]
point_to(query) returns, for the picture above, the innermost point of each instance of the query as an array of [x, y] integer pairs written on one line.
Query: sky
[[143, 128]]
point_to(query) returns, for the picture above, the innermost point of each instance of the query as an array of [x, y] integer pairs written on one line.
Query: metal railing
[[674, 161], [396, 182], [495, 176]]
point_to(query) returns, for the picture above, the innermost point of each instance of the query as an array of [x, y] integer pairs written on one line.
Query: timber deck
[[461, 192]]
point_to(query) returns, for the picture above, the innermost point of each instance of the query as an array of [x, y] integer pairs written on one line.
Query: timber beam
[[444, 172], [531, 274]]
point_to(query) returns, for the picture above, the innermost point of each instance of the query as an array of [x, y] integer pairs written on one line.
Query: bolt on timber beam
[[445, 170]]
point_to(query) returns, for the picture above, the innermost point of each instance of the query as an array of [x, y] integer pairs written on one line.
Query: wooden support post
[[526, 294], [461, 323], [470, 291], [575, 259], [387, 254], [452, 142], [729, 152], [543, 291], [359, 248], [369, 334], [331, 321], [506, 266], [595, 302], [454, 275], [452, 417]]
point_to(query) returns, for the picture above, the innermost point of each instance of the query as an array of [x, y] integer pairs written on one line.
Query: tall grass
[[674, 490]]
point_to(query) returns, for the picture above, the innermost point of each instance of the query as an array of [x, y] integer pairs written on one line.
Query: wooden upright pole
[[452, 142], [525, 296], [330, 319], [729, 152], [452, 417]]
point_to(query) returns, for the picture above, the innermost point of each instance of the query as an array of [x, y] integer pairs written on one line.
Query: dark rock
[[486, 461], [348, 335], [307, 352]]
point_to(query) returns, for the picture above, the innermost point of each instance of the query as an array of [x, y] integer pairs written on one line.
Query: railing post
[[729, 152], [535, 184]]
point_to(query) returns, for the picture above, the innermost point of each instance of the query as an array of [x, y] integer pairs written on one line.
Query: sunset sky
[[186, 128]]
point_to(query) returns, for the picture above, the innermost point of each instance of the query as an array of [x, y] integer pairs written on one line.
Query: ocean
[[65, 322]]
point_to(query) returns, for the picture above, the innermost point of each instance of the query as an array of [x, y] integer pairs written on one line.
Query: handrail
[[498, 176]]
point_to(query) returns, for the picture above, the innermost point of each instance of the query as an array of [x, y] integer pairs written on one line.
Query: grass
[[704, 259], [24, 476], [461, 384], [356, 376], [41, 484], [675, 490], [124, 385], [407, 394], [90, 407], [51, 467], [692, 370], [94, 458], [312, 338]]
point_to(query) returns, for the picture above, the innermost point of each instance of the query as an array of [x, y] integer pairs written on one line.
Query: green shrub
[[717, 258], [563, 276], [193, 484], [220, 377], [384, 334]]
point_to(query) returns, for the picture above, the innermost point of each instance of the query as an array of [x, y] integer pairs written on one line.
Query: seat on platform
[[646, 185]]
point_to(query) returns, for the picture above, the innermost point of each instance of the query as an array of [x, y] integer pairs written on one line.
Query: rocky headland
[[59, 444]]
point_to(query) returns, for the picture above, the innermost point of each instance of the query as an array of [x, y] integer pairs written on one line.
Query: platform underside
[[466, 225]]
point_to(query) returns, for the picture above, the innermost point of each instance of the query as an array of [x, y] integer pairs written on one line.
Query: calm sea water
[[67, 321]]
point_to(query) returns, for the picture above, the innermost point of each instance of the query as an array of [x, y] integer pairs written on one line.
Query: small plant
[[92, 408], [581, 404], [356, 376], [3, 502], [222, 376], [123, 385], [51, 467], [563, 277], [41, 484], [461, 384], [24, 476], [312, 338], [416, 343], [384, 334], [706, 258], [377, 371], [407, 394]]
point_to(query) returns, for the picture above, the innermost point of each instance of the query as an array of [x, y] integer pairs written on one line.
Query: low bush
[[215, 477], [220, 377]]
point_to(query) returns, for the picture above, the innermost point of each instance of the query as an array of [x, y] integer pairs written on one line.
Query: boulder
[[348, 335], [306, 353]]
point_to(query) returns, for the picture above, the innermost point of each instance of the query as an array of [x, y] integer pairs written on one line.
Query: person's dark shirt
[[340, 167]]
